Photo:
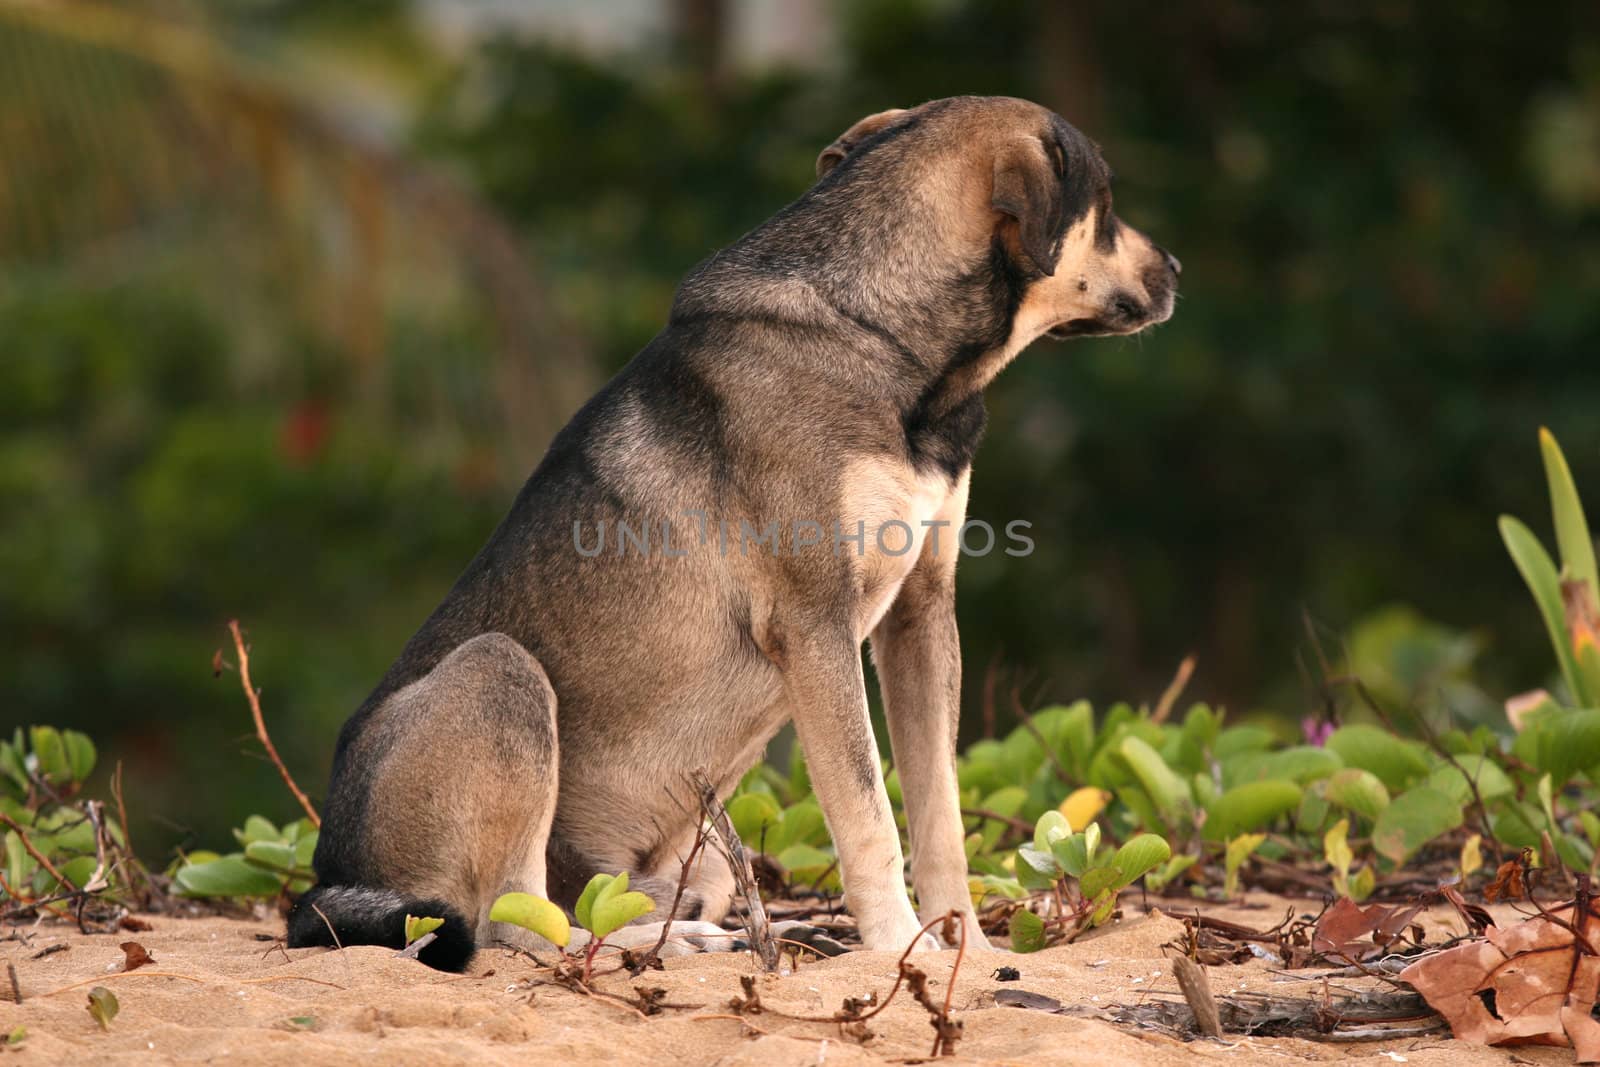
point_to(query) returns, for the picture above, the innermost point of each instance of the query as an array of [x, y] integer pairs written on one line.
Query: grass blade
[[1572, 530], [1539, 571]]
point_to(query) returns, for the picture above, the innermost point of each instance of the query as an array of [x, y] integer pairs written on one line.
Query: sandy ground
[[216, 994]]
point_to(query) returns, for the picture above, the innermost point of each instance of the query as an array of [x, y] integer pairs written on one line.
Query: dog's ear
[[835, 153], [1027, 187]]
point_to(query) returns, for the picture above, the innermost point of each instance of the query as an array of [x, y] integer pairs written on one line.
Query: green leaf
[[1591, 828], [533, 913], [614, 910], [1239, 849], [1007, 801], [230, 876], [808, 864], [1492, 782], [1099, 880], [1170, 793], [1042, 862], [583, 909], [257, 828], [51, 754], [11, 765], [1027, 931], [1539, 572], [80, 754], [103, 1006], [1572, 531], [1159, 880], [1240, 739], [1336, 850], [1072, 854], [1139, 856], [754, 816], [1397, 763], [1032, 876], [1359, 791], [1299, 763], [1567, 742], [1416, 817], [1051, 827], [1248, 807], [417, 925], [274, 854], [17, 1036], [305, 848], [802, 824]]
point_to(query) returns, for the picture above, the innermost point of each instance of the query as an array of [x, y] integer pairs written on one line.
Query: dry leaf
[[1583, 617], [1509, 883], [1524, 984], [135, 956], [1347, 931]]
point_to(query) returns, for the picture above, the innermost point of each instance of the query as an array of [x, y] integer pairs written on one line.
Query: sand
[[216, 994]]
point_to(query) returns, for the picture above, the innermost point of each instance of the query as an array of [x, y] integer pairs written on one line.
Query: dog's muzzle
[[1128, 312]]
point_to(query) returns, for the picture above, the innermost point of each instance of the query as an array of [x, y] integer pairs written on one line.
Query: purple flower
[[1316, 731]]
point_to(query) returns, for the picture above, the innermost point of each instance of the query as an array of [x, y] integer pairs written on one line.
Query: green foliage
[[533, 913], [272, 861], [1568, 599], [1081, 872], [419, 925], [43, 771], [1239, 850], [103, 1006], [45, 760], [606, 904]]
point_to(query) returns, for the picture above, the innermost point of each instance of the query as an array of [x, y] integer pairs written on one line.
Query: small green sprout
[[605, 906]]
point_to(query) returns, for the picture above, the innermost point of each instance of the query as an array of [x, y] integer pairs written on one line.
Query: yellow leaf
[[1471, 855], [1083, 805]]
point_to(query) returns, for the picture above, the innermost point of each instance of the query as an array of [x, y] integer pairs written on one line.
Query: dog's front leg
[[828, 694], [917, 652]]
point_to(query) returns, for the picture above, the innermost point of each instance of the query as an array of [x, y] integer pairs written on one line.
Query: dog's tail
[[358, 915]]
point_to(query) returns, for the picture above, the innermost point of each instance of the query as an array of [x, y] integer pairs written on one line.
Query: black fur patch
[[351, 915]]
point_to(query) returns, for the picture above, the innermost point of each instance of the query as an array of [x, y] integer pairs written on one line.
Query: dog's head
[[1013, 175]]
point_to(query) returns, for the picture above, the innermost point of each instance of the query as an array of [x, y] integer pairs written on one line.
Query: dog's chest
[[892, 516]]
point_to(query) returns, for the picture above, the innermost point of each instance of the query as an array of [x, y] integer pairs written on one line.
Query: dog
[[819, 380]]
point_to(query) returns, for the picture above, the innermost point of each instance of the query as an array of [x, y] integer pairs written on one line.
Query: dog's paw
[[897, 933], [812, 937], [686, 937]]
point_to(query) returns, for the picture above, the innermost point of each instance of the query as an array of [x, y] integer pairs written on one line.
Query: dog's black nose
[[1172, 261]]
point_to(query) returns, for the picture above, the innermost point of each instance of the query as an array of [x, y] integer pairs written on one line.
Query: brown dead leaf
[[133, 924], [1583, 614], [1347, 931], [135, 956], [1509, 883], [1477, 918], [1530, 983]]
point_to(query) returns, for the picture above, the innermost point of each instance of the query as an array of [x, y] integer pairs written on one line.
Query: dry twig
[[261, 726], [755, 917]]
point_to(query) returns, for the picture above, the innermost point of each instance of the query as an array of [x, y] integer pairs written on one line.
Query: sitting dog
[[782, 473]]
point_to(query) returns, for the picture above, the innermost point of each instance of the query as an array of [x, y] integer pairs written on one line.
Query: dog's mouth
[[1124, 315]]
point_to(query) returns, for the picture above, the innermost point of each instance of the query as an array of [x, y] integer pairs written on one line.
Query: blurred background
[[293, 294]]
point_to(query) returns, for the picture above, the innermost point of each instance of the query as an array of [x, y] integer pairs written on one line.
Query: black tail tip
[[334, 916]]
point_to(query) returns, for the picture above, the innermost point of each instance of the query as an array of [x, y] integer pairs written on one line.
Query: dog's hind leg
[[447, 803]]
